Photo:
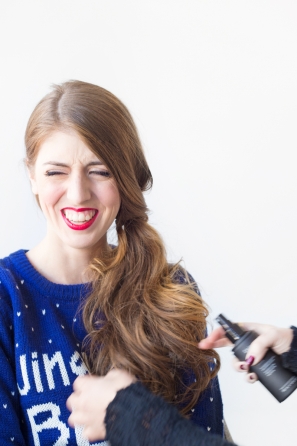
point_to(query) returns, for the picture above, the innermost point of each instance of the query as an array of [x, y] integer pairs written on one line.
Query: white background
[[212, 87]]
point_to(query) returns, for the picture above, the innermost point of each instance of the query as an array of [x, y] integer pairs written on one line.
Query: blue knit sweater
[[41, 334]]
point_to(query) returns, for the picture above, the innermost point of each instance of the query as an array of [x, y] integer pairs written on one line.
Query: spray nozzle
[[233, 331]]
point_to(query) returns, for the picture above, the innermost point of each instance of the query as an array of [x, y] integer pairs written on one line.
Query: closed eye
[[103, 173], [50, 173]]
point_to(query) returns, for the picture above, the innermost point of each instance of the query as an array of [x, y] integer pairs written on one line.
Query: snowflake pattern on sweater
[[41, 335]]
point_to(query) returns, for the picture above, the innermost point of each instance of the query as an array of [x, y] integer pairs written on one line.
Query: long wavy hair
[[143, 314]]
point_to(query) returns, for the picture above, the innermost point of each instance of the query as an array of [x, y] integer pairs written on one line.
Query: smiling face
[[76, 192]]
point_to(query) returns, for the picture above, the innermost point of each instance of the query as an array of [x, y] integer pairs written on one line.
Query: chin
[[84, 243]]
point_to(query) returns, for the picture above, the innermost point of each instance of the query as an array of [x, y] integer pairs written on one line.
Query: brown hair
[[143, 314]]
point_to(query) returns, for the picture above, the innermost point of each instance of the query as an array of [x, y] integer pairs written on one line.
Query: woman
[[87, 170], [123, 416]]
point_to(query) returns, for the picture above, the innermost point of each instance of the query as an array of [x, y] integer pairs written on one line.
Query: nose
[[78, 190]]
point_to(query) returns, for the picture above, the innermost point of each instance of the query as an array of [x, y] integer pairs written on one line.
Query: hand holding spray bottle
[[279, 381]]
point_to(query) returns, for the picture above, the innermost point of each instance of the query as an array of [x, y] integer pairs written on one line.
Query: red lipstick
[[82, 226]]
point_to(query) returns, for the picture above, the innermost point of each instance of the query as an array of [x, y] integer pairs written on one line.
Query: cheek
[[110, 197], [49, 195]]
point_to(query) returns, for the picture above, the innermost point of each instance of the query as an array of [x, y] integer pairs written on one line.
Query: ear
[[31, 175]]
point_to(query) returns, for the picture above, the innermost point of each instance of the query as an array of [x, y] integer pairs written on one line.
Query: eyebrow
[[56, 163]]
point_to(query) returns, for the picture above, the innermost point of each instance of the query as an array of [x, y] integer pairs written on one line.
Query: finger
[[258, 348], [70, 403], [216, 339], [207, 344], [240, 366], [252, 378], [70, 421], [216, 334], [78, 383], [99, 433], [260, 345], [73, 400], [78, 418]]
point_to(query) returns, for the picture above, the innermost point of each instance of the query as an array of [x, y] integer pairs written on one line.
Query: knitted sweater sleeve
[[10, 414], [289, 359], [138, 417]]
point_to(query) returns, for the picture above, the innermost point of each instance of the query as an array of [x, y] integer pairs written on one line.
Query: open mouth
[[79, 219]]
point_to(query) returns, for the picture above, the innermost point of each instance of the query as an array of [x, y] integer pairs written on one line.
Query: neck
[[63, 265]]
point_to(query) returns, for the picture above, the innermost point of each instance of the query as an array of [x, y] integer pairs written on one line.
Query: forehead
[[66, 147]]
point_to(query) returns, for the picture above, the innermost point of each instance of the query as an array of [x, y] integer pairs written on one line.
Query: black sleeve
[[289, 359], [139, 418]]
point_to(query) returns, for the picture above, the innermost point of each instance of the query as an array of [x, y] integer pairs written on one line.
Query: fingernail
[[250, 360], [243, 367], [252, 377]]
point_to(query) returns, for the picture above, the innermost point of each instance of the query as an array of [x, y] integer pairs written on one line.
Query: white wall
[[212, 87]]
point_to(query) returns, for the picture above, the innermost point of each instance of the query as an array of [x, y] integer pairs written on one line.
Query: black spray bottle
[[279, 381]]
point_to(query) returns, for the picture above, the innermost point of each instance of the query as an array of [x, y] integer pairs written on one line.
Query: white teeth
[[78, 217]]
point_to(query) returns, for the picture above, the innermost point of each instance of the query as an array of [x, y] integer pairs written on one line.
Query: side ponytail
[[141, 318]]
